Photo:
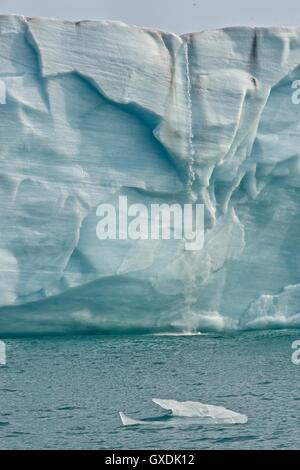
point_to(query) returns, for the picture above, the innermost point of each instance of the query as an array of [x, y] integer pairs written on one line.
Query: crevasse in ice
[[98, 109]]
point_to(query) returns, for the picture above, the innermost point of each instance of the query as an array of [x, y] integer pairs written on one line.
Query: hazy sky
[[172, 15]]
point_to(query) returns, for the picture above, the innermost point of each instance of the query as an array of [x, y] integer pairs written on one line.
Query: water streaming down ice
[[98, 109], [190, 113]]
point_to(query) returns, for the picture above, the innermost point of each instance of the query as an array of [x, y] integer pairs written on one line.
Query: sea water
[[66, 393]]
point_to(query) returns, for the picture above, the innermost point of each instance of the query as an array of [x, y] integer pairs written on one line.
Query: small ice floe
[[183, 333], [195, 411], [126, 421]]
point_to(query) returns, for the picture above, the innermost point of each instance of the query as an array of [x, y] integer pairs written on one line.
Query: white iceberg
[[195, 409], [198, 412], [127, 421]]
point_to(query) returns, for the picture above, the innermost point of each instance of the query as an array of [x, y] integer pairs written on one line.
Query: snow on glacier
[[98, 109]]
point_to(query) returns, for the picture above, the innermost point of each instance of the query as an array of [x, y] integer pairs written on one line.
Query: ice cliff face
[[98, 109]]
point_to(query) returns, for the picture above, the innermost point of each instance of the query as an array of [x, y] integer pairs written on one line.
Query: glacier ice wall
[[98, 109]]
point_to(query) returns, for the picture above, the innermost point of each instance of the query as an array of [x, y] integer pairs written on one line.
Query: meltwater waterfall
[[189, 111]]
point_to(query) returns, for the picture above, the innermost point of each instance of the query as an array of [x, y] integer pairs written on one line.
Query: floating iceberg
[[98, 109], [195, 409], [204, 414], [127, 421]]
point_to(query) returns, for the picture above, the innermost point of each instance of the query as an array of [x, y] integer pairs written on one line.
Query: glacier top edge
[[243, 29]]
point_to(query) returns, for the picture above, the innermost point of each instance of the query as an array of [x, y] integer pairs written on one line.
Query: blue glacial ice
[[98, 109]]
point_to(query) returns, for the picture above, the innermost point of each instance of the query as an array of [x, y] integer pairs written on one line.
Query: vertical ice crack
[[190, 115]]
